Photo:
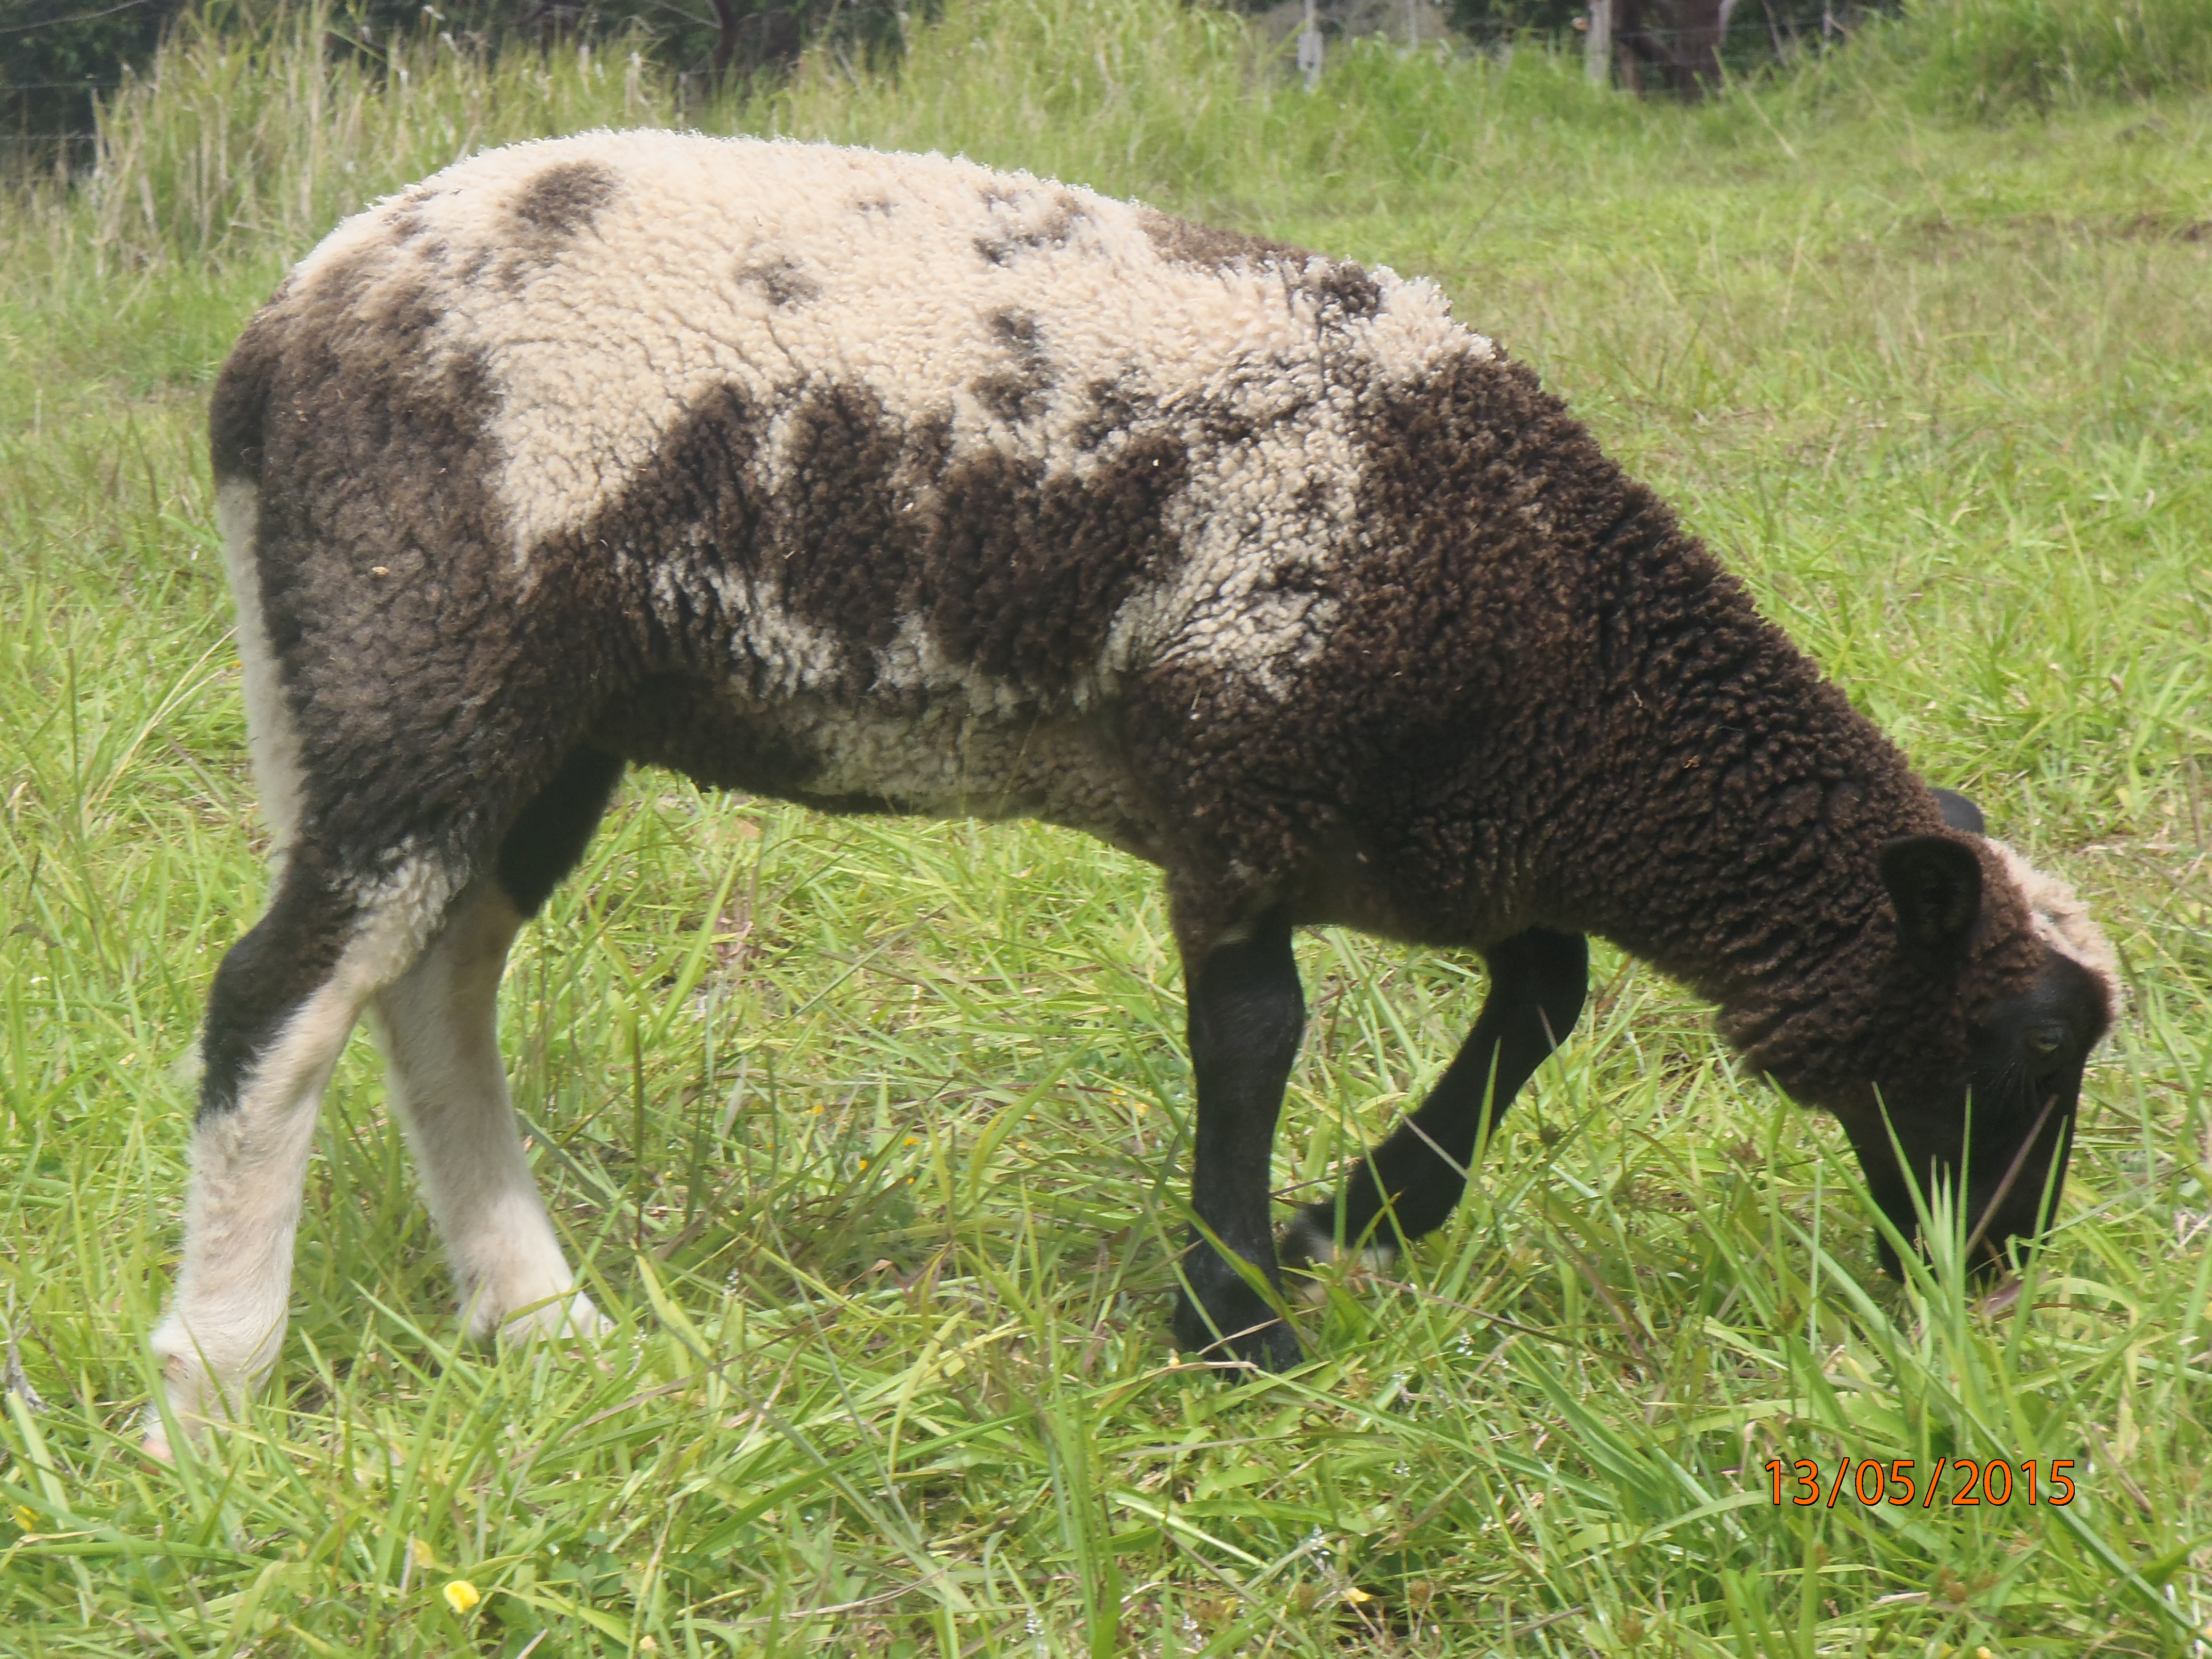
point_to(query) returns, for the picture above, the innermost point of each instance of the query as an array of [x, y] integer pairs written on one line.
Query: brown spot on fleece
[[239, 404], [1343, 290], [1023, 222], [1209, 249], [563, 200], [873, 524], [1017, 393], [782, 281]]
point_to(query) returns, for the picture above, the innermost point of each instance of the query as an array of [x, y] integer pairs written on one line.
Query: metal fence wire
[[1757, 31]]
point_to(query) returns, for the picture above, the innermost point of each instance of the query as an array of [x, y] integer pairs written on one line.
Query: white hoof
[[194, 1406], [197, 1399], [571, 1315], [155, 1443]]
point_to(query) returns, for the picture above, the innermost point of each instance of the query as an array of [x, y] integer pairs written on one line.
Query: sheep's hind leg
[[1538, 979], [285, 1000], [439, 1027], [1247, 1013]]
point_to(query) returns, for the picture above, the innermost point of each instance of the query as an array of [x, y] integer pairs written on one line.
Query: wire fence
[[73, 146], [1780, 27], [38, 23]]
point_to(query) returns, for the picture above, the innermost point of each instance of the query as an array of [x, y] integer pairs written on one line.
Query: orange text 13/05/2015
[[1872, 1482]]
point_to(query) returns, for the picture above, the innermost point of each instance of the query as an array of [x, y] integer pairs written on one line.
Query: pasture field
[[871, 1133]]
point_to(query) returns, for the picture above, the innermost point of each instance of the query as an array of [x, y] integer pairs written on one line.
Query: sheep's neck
[[1739, 801]]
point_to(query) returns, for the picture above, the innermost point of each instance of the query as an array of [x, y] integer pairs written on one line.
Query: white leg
[[226, 1320], [438, 1028], [229, 1306]]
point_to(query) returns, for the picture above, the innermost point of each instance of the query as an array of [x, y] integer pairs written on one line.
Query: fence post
[[1598, 44], [1309, 49]]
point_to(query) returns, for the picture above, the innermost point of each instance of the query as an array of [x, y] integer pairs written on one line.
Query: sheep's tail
[[237, 414], [238, 409]]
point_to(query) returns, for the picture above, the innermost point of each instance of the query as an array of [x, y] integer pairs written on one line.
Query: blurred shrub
[[60, 54], [1994, 56], [256, 136]]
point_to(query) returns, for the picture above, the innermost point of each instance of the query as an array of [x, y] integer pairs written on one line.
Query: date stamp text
[[1951, 1482]]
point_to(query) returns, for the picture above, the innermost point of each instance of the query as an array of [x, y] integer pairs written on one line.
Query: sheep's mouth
[[1979, 1239], [2017, 1201]]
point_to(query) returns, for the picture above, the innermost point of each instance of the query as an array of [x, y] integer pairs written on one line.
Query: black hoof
[[1252, 1339]]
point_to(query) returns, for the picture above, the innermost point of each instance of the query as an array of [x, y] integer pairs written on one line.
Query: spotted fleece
[[605, 290], [890, 483]]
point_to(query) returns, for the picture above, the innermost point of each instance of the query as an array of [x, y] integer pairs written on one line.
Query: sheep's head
[[2004, 986]]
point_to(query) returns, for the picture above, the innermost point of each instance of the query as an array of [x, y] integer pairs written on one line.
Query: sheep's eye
[[2046, 1039]]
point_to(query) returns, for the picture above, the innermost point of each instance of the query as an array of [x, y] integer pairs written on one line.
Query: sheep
[[888, 484]]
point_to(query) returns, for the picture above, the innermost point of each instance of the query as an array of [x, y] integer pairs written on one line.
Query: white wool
[[2061, 921], [273, 746]]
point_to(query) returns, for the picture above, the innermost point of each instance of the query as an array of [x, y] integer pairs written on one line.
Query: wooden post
[[1309, 49], [726, 43], [1598, 44]]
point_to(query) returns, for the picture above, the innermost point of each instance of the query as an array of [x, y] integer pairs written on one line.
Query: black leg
[[1246, 1015], [1537, 980], [264, 978]]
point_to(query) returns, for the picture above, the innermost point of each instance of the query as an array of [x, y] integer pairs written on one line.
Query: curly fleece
[[890, 482]]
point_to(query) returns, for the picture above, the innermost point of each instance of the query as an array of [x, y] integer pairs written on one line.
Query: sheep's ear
[[1936, 883], [1960, 813]]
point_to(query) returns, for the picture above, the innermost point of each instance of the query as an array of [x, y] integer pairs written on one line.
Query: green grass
[[1996, 57], [871, 1131]]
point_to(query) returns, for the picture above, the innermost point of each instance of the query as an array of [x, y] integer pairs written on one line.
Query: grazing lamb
[[886, 483]]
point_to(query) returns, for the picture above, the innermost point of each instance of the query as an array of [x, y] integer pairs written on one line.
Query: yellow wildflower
[[461, 1596]]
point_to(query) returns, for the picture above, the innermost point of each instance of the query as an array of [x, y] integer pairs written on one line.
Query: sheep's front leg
[[1409, 1183], [1247, 1013]]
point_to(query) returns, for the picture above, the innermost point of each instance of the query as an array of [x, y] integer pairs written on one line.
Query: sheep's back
[[870, 422]]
